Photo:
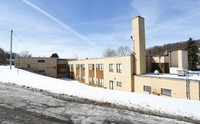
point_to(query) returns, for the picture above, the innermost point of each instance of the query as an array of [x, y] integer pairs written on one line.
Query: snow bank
[[146, 102]]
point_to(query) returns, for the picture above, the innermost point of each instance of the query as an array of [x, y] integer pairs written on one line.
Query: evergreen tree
[[54, 55], [192, 49]]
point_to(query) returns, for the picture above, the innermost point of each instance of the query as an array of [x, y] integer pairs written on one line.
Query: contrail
[[60, 22]]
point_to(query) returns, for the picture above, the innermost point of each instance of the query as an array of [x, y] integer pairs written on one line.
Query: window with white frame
[[119, 68], [79, 77], [72, 66], [83, 66], [76, 76], [90, 66], [110, 67], [147, 88], [76, 66], [93, 80], [96, 67], [79, 66], [83, 78], [100, 67], [90, 79], [97, 81], [166, 92], [119, 84], [101, 82]]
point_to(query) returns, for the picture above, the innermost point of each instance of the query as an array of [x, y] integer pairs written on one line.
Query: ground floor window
[[101, 82], [83, 78], [77, 76], [147, 88], [93, 80], [119, 84], [90, 79], [166, 92], [96, 80]]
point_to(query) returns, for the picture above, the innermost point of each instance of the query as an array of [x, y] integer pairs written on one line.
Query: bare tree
[[123, 51], [109, 52], [25, 54]]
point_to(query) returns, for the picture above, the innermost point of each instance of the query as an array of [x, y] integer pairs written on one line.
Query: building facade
[[53, 67], [114, 73]]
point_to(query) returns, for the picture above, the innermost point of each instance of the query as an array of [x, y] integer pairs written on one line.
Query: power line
[[21, 41]]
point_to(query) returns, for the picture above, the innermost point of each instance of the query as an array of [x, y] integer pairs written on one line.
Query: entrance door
[[111, 85]]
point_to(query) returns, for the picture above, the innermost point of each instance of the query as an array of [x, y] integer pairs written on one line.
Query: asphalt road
[[23, 106]]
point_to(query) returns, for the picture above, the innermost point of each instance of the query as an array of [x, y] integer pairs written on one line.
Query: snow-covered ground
[[164, 105]]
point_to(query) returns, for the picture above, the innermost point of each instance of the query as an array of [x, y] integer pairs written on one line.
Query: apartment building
[[53, 67]]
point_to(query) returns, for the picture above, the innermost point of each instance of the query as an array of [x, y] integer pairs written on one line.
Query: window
[[72, 66], [41, 61], [83, 78], [72, 75], [90, 79], [62, 70], [162, 65], [61, 62], [119, 84], [96, 67], [93, 80], [41, 71], [165, 65], [77, 76], [119, 68], [83, 66], [76, 66], [28, 65], [97, 81], [166, 92], [147, 88], [79, 67], [90, 66], [100, 67], [110, 67], [101, 82]]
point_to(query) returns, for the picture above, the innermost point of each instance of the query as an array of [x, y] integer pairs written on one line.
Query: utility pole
[[11, 49]]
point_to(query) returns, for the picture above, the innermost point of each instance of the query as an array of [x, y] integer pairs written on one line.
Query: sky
[[85, 28]]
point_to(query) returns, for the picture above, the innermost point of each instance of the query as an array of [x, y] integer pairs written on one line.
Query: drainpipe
[[187, 86]]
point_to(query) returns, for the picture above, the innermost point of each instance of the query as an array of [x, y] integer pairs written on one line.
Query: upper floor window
[[41, 61], [96, 67], [61, 62], [83, 66], [110, 67], [90, 66], [119, 68], [100, 67], [76, 66], [72, 65]]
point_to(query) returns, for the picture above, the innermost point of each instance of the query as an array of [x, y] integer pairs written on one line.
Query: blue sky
[[87, 27]]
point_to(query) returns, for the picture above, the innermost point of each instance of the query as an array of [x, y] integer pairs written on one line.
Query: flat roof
[[103, 58], [194, 76]]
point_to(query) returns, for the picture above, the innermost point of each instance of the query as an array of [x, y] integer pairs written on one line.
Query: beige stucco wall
[[49, 66], [177, 86], [125, 76], [139, 50], [179, 59], [161, 59]]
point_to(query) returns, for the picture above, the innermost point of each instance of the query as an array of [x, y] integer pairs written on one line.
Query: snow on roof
[[193, 75]]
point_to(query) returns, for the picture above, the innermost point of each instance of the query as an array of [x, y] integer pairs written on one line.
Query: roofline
[[103, 58]]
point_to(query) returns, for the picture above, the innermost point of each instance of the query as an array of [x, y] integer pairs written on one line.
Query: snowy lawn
[[165, 105]]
